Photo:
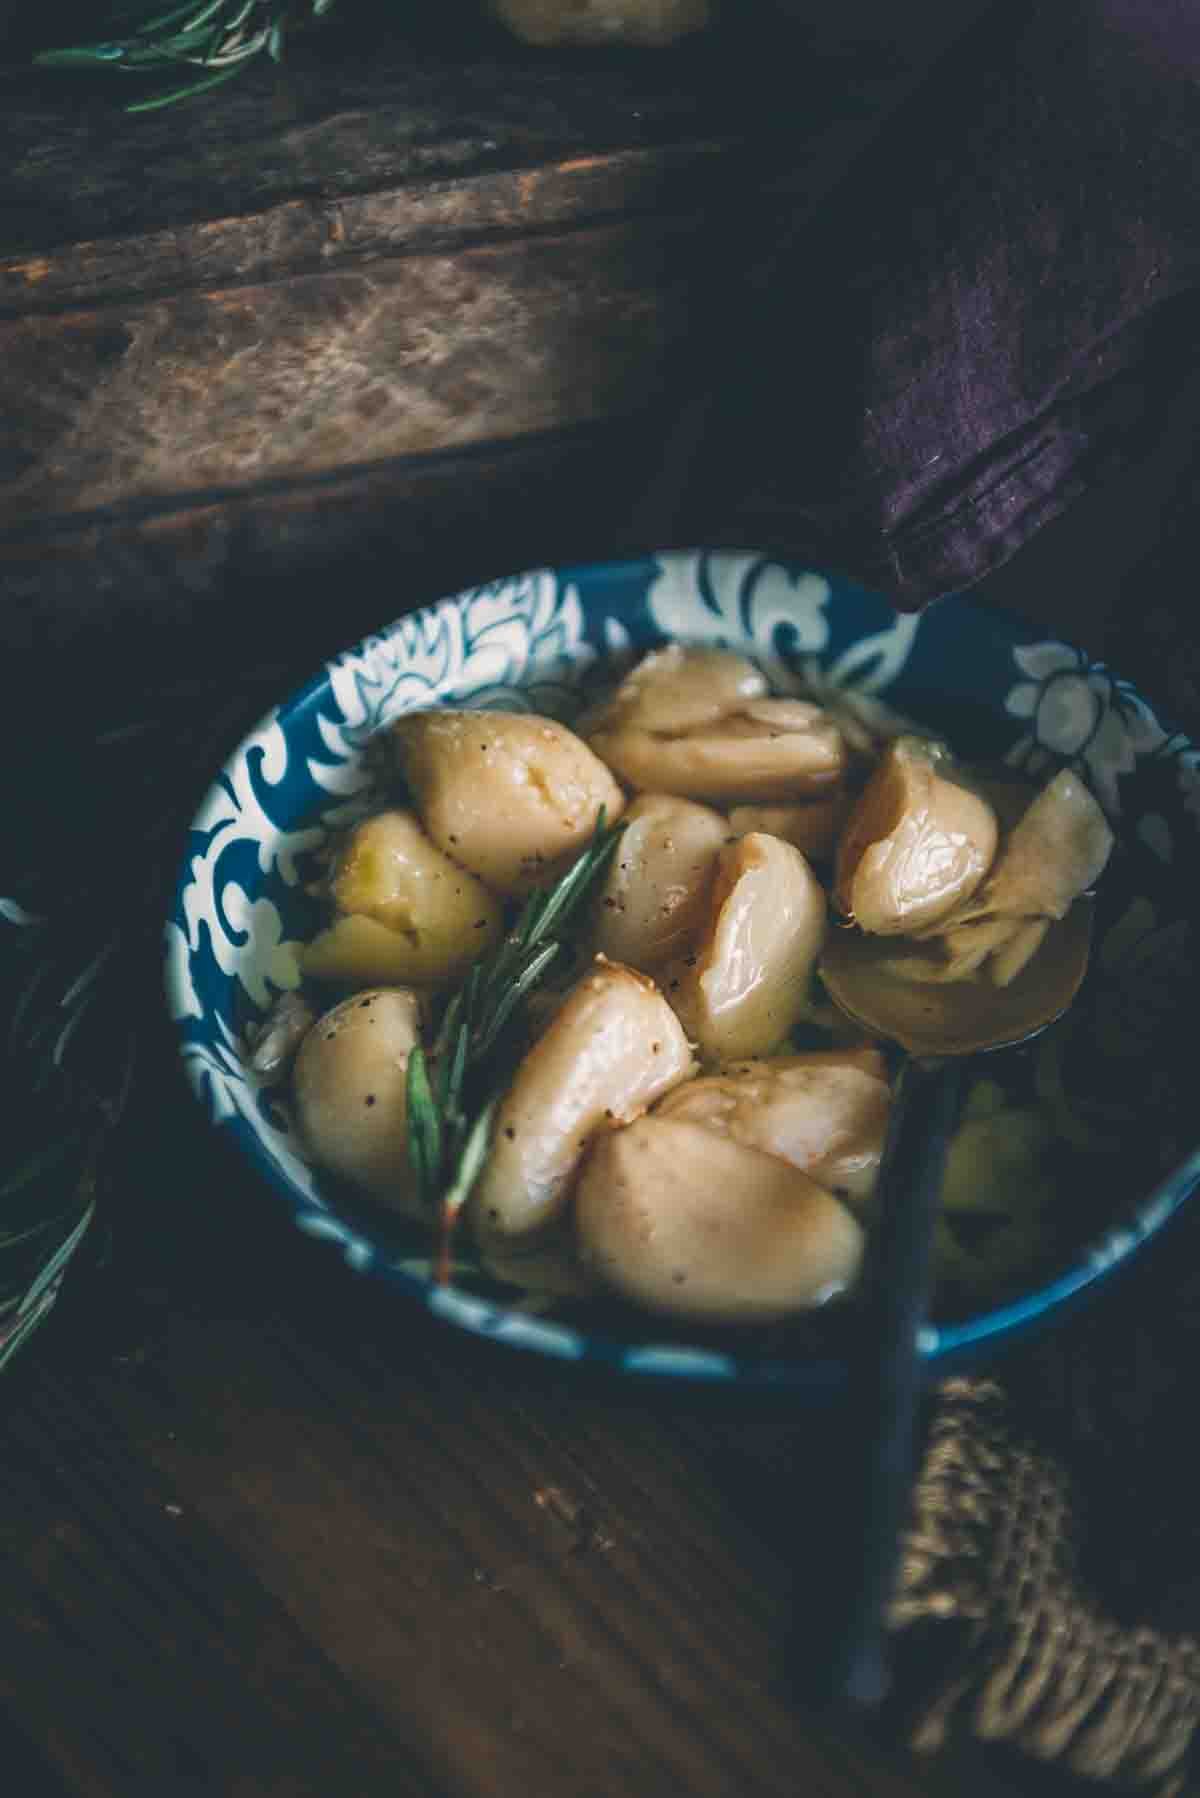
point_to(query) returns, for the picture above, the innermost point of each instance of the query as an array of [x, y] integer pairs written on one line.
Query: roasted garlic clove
[[764, 750], [509, 795], [678, 688], [812, 827], [917, 844], [1056, 850], [357, 952], [349, 1088], [745, 985], [825, 1113], [656, 888], [612, 1048], [957, 953], [274, 1042], [387, 870], [685, 1221]]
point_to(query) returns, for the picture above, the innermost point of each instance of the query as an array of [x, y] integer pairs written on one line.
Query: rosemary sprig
[[449, 1118], [218, 37], [80, 922]]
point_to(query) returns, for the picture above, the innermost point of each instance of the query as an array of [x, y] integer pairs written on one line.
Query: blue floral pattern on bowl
[[984, 680]]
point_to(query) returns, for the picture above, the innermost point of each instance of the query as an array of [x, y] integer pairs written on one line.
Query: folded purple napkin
[[990, 317]]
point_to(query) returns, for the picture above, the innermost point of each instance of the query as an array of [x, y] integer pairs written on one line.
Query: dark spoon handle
[[887, 1370]]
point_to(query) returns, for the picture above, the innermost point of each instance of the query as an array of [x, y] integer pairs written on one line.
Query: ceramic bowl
[[993, 686]]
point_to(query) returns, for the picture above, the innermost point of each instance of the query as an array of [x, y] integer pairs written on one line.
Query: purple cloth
[[990, 316]]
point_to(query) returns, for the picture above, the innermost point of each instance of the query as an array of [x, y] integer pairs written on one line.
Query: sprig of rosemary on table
[[91, 850], [449, 1122], [218, 37]]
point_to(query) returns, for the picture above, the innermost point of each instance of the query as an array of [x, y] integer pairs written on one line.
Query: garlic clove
[[746, 984], [697, 1225], [917, 844], [508, 795], [824, 1113], [656, 888], [679, 688], [612, 1048], [765, 751], [349, 1090]]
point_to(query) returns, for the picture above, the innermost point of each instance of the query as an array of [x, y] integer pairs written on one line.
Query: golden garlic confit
[[918, 842], [510, 795], [610, 1050], [688, 1222], [746, 982]]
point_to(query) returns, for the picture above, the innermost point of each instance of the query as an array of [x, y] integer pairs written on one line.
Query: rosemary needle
[[215, 40], [448, 1141]]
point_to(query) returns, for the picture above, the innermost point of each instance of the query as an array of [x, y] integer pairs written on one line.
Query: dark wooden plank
[[292, 574], [329, 125], [315, 232], [291, 281], [266, 1529], [290, 1520], [350, 116], [226, 389]]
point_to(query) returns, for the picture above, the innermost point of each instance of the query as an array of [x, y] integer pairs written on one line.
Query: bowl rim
[[942, 1346]]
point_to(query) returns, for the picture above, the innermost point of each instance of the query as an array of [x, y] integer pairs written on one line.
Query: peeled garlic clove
[[959, 952], [823, 1113], [765, 750], [1055, 851], [993, 949], [697, 1225], [349, 1089], [280, 1034], [612, 1048], [812, 827], [508, 795], [358, 952], [917, 844], [656, 887], [745, 986], [679, 689], [388, 870]]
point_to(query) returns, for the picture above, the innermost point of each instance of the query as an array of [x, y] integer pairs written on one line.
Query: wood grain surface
[[223, 389], [265, 1530], [268, 1531], [215, 317]]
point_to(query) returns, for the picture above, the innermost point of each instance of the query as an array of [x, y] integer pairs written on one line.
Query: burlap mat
[[1039, 1665]]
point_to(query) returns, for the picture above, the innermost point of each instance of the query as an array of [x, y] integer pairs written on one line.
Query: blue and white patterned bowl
[[992, 686]]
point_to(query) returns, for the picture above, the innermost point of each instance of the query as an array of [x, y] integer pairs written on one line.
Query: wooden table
[[387, 321], [267, 1532]]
